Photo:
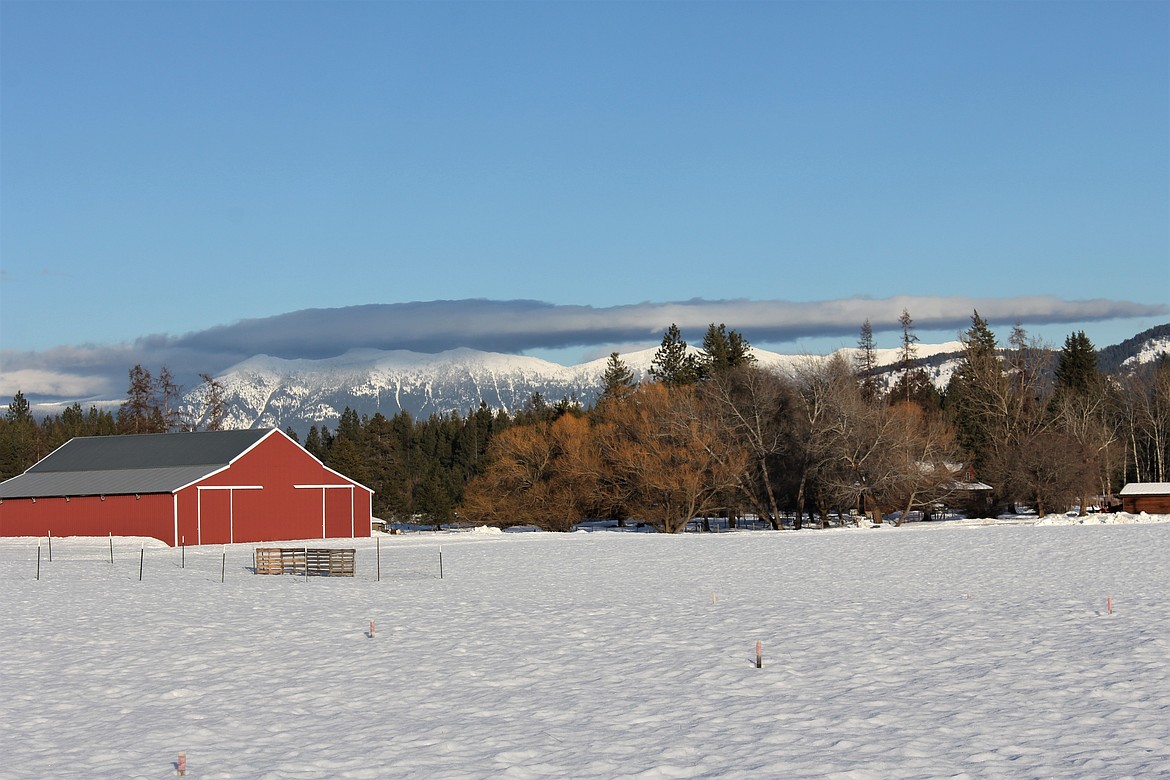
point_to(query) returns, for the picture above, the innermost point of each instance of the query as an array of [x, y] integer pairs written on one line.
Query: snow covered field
[[932, 650]]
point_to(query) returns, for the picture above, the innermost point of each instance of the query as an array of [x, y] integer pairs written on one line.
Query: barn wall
[[278, 511], [1154, 505], [149, 515]]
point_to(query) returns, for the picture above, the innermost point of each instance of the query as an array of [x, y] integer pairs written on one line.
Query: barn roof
[[151, 463], [1146, 489]]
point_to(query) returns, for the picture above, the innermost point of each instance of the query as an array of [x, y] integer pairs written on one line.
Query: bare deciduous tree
[[754, 405]]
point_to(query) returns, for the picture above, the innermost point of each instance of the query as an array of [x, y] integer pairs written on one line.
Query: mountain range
[[264, 391]]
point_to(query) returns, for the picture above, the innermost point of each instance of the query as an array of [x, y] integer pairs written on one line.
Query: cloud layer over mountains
[[511, 327]]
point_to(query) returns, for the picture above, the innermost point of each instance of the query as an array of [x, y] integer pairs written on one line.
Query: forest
[[711, 433]]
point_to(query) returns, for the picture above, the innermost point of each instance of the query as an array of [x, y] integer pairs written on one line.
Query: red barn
[[214, 487]]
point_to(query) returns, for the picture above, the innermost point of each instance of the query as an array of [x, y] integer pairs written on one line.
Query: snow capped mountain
[[1151, 350], [268, 391], [265, 391]]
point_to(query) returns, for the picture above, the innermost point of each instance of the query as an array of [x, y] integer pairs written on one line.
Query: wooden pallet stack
[[305, 561]]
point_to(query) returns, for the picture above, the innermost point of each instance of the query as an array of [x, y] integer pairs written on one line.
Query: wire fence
[[97, 559]]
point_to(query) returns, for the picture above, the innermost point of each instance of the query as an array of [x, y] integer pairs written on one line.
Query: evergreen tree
[[313, 443], [722, 351], [618, 379], [672, 364], [73, 421], [19, 410], [975, 395], [908, 354], [978, 338], [866, 362], [1076, 365], [19, 438], [349, 426], [913, 384]]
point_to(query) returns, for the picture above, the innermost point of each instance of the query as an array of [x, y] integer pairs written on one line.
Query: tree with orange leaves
[[665, 455], [543, 474]]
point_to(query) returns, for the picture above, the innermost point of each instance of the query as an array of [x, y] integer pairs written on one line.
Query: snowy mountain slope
[[1151, 350], [269, 391]]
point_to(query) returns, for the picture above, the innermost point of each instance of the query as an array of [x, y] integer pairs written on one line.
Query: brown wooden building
[[1150, 497]]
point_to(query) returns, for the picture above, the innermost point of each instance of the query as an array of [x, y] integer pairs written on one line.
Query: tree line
[[710, 432]]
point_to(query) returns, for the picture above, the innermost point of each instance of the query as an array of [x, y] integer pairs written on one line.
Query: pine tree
[[19, 411], [672, 364], [979, 336], [722, 351], [1076, 366], [314, 444], [908, 354], [618, 379], [914, 383], [974, 396], [866, 362], [19, 438]]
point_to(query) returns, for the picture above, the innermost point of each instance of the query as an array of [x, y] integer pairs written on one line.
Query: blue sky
[[170, 168]]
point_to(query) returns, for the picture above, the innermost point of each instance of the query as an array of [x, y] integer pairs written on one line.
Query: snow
[[1151, 350], [943, 649]]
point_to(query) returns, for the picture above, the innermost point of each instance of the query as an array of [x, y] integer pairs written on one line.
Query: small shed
[[1150, 497], [211, 487]]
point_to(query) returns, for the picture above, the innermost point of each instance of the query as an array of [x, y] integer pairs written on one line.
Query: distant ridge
[[1152, 342], [265, 391]]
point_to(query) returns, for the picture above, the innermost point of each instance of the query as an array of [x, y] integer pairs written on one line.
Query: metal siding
[[276, 512], [214, 517], [252, 515], [338, 512], [149, 515], [279, 511]]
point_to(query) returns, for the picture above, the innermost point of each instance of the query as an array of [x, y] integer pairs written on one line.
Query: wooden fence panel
[[305, 561]]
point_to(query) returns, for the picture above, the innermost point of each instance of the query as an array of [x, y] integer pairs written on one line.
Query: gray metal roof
[[1146, 489], [112, 465]]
